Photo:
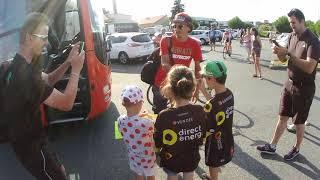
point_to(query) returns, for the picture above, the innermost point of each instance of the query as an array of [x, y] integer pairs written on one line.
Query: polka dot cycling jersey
[[137, 134]]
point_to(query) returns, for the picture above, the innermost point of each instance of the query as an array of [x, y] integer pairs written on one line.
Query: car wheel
[[123, 58], [203, 42]]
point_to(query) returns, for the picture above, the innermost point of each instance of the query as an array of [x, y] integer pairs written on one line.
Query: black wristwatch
[[288, 53]]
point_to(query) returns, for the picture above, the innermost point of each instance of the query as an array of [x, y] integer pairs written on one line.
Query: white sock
[[273, 146]]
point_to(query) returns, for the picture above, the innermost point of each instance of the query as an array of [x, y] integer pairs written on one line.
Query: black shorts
[[296, 100], [256, 52], [228, 40], [215, 157], [213, 40], [159, 102], [36, 158]]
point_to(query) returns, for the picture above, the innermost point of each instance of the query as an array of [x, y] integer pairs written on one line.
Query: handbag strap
[[169, 40]]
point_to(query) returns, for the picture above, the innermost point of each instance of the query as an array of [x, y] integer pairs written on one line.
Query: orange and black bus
[[70, 21]]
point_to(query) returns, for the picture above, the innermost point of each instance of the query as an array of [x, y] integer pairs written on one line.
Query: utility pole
[[115, 11]]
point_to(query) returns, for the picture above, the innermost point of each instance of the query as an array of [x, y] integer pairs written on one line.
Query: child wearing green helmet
[[219, 146]]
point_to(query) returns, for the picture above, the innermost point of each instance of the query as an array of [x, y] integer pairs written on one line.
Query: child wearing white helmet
[[137, 132]]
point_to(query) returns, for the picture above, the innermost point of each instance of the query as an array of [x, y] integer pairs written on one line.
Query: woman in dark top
[[256, 51]]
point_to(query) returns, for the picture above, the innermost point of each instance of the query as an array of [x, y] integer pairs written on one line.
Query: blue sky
[[247, 10]]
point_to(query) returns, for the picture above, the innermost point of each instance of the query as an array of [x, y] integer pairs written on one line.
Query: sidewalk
[[276, 64]]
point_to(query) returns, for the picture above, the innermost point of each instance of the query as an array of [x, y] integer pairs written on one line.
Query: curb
[[278, 65]]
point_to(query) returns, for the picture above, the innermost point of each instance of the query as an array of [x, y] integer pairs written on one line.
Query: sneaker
[[291, 128], [291, 154], [266, 148], [205, 176]]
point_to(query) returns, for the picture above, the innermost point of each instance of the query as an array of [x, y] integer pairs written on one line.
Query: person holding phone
[[303, 54], [26, 88]]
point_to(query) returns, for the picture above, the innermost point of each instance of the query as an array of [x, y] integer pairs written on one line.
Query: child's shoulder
[[196, 107], [122, 117], [146, 118]]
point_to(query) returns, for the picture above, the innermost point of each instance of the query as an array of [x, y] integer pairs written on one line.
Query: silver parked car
[[202, 35]]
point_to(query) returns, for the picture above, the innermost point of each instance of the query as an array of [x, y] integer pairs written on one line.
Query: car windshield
[[97, 17], [118, 39], [141, 38], [72, 20]]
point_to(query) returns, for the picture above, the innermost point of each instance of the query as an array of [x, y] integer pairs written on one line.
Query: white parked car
[[128, 46], [202, 35], [283, 39]]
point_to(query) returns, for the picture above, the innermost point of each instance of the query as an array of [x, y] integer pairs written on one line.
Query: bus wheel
[[123, 58]]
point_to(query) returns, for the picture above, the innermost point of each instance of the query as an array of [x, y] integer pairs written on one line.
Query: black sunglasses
[[180, 26]]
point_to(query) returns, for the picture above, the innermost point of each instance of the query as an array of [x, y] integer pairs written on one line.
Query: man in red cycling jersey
[[183, 50]]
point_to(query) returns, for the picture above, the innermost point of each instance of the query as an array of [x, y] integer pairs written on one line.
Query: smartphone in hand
[[81, 46], [275, 43]]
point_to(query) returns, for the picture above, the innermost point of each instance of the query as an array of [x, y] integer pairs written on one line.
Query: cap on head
[[183, 18], [131, 94], [215, 68]]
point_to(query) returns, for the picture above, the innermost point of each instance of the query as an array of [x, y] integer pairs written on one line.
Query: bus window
[[72, 23], [11, 19], [98, 29]]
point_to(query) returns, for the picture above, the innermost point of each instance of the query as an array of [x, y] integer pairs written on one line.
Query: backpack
[[150, 68], [4, 71]]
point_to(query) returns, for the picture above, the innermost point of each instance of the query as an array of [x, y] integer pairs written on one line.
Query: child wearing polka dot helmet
[[137, 132]]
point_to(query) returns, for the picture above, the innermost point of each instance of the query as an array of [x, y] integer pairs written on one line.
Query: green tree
[[177, 8], [236, 23], [282, 24], [264, 30], [195, 24], [247, 25], [313, 27], [317, 27]]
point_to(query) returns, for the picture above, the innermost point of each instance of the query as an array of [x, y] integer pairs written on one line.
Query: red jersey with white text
[[182, 53]]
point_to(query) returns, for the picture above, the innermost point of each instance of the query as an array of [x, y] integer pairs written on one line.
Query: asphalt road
[[90, 152]]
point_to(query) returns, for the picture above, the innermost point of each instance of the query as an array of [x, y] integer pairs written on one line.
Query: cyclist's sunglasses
[[41, 36], [180, 26]]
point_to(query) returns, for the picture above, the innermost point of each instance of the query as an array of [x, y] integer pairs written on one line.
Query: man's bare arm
[[64, 101], [57, 74], [165, 62], [307, 66], [197, 69]]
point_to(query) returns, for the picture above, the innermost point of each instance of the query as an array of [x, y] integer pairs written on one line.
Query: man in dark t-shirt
[[25, 88], [219, 147], [303, 53]]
